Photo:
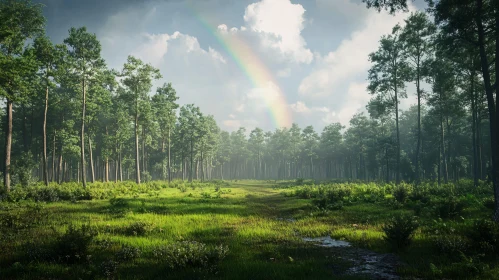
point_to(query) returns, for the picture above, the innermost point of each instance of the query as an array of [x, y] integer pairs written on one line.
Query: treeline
[[70, 118]]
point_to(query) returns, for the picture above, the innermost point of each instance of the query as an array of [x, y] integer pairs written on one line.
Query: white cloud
[[279, 33], [284, 72], [350, 59]]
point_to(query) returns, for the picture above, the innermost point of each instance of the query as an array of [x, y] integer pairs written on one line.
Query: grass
[[260, 223]]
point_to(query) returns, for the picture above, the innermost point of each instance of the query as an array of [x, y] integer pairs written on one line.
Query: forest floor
[[242, 230]]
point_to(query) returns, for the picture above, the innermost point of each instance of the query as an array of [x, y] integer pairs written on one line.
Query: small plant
[[451, 245], [137, 229], [400, 193], [206, 195], [399, 231], [450, 207], [128, 253], [299, 181], [182, 188], [485, 236], [74, 244], [109, 268], [118, 202], [190, 253]]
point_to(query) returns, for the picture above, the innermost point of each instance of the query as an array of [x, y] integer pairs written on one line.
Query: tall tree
[[21, 20], [386, 80], [416, 37], [165, 106], [48, 57], [137, 78], [85, 54]]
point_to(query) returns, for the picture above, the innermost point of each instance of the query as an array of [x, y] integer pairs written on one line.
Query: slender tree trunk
[[82, 136], [137, 158], [397, 176], [60, 172], [53, 158], [91, 160], [169, 156], [474, 130], [8, 145], [418, 147], [45, 169], [442, 147]]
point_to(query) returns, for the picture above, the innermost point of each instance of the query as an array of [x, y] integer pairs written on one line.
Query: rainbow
[[254, 69]]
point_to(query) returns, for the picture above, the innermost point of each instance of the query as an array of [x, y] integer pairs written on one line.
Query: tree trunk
[[418, 147], [397, 176], [8, 145], [169, 156], [82, 136], [91, 160], [489, 90], [137, 158], [45, 168], [53, 158]]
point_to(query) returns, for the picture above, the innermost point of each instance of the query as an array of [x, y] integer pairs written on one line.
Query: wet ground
[[362, 262]]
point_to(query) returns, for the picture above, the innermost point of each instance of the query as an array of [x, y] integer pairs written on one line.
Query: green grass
[[251, 218]]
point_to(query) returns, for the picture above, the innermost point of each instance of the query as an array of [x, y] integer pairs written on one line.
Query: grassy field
[[235, 230]]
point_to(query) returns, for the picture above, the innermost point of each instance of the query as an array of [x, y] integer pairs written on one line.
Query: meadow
[[249, 230]]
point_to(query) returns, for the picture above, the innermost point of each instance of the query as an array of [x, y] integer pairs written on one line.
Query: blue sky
[[316, 49]]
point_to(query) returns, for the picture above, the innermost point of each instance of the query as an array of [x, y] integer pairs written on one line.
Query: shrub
[[451, 245], [118, 202], [299, 181], [73, 245], [137, 229], [109, 268], [399, 231], [400, 193], [127, 253], [485, 236], [190, 253], [450, 207]]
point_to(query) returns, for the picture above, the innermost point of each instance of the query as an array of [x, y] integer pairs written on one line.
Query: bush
[[137, 229], [189, 253], [73, 245], [400, 193], [399, 231], [109, 268], [127, 253], [451, 245], [485, 236], [450, 207]]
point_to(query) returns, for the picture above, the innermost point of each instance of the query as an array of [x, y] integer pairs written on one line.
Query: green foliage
[[450, 207], [485, 236], [400, 193], [190, 254], [128, 253], [137, 229], [73, 246], [399, 231]]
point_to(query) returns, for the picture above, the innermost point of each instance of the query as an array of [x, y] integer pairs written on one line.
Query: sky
[[251, 63]]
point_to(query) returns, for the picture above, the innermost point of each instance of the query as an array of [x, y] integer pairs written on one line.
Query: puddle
[[364, 262], [327, 241]]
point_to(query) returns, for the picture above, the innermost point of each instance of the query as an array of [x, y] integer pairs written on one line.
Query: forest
[[129, 163]]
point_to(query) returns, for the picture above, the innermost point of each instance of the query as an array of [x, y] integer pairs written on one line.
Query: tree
[[86, 62], [416, 37], [48, 56], [386, 80], [165, 105], [190, 119], [21, 20], [137, 78]]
